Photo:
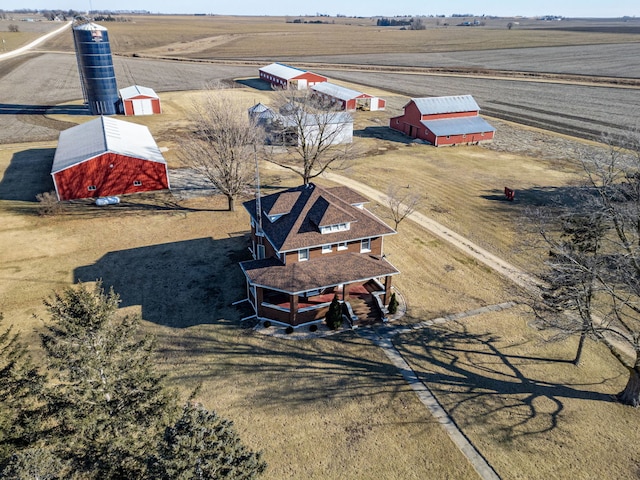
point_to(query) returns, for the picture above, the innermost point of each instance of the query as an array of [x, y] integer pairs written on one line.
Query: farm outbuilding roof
[[336, 91], [101, 135], [281, 70], [452, 104], [137, 90], [458, 126]]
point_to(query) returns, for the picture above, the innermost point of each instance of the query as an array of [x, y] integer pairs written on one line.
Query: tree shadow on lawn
[[179, 284], [472, 372], [289, 373], [28, 174], [538, 196]]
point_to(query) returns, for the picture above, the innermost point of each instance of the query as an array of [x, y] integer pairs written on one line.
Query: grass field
[[334, 407]]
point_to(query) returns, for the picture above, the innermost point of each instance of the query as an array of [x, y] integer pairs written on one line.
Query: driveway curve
[[35, 43]]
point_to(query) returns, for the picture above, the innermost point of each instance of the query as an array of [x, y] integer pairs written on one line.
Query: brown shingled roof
[[346, 194], [283, 204], [299, 228], [323, 272], [323, 213]]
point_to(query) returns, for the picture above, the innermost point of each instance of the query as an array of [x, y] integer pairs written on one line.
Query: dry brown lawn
[[531, 413], [334, 407]]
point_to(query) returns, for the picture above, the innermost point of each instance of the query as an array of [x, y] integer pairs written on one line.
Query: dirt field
[[332, 407]]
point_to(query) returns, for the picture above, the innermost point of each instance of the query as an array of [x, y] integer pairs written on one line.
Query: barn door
[[142, 107]]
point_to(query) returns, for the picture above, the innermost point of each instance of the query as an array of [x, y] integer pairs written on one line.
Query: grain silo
[[95, 65]]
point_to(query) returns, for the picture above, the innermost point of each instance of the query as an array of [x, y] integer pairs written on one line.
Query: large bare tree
[[222, 144], [593, 269], [315, 134]]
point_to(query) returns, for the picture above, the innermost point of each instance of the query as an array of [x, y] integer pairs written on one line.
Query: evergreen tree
[[203, 445], [393, 304], [34, 464], [334, 315], [108, 403], [20, 385]]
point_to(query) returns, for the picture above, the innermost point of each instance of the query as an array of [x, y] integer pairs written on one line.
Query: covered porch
[[301, 293]]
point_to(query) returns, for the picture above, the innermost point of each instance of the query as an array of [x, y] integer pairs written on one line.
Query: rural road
[[35, 43]]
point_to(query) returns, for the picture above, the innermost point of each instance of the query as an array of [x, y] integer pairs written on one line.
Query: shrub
[[13, 27], [289, 330], [334, 315], [313, 328], [266, 324], [48, 204], [393, 304]]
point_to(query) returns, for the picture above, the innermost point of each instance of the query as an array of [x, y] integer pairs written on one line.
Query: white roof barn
[[106, 156], [104, 134], [451, 104]]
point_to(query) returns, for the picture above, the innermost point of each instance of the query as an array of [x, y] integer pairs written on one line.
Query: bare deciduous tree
[[593, 268], [402, 202], [222, 144], [315, 134]]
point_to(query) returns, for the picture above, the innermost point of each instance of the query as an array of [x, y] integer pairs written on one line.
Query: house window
[[365, 245], [91, 188], [303, 254], [342, 246], [137, 183], [326, 248]]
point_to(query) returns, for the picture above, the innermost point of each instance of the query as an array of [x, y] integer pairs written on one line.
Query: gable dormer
[[282, 206], [328, 217]]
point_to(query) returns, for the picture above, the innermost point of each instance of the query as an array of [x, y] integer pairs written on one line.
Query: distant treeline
[[415, 23], [393, 22]]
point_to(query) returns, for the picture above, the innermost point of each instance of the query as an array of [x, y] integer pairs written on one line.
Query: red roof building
[[107, 157], [444, 121], [310, 243], [284, 77]]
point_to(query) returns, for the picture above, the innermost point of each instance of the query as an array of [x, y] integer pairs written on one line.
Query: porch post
[[258, 300], [293, 309], [387, 289], [345, 292]]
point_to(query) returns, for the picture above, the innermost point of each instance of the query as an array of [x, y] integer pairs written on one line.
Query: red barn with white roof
[[283, 76], [137, 100], [106, 157], [444, 121], [347, 98]]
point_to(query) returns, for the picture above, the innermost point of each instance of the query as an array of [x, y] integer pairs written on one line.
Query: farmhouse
[[346, 98], [283, 76], [444, 121], [310, 243], [292, 126], [137, 100], [105, 157]]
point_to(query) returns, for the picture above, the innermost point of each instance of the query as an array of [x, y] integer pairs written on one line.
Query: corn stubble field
[[330, 407]]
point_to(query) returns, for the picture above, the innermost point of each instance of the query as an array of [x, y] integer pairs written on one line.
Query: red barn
[[348, 99], [137, 100], [106, 157], [444, 121], [284, 76]]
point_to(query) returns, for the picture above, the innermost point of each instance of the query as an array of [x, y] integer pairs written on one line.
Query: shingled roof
[[299, 277], [313, 208]]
